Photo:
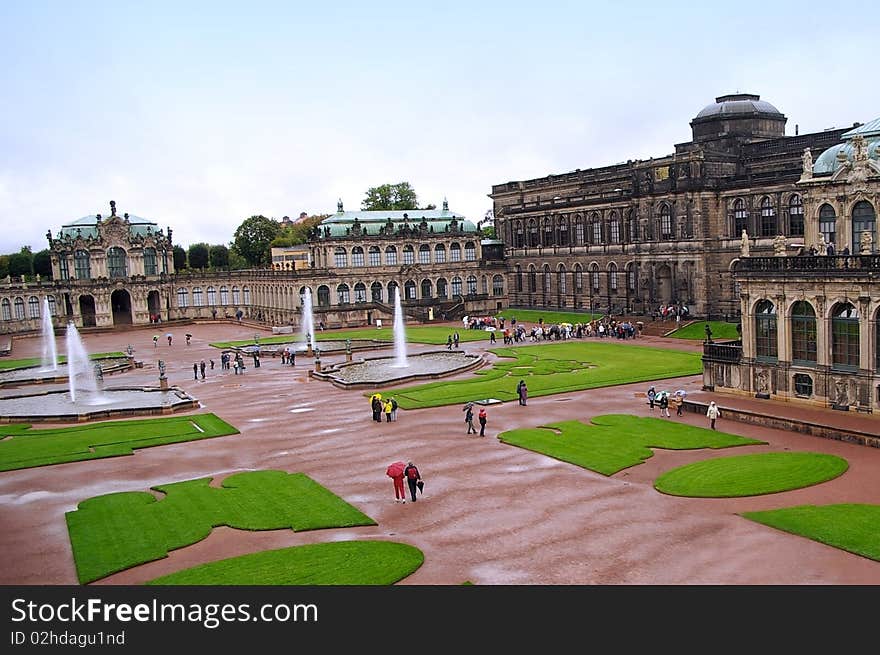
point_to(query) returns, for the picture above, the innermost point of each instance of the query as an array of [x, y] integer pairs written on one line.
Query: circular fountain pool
[[38, 375], [383, 371]]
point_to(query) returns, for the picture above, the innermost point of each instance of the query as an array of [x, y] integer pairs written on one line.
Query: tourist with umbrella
[[168, 336], [663, 398], [395, 472], [678, 398]]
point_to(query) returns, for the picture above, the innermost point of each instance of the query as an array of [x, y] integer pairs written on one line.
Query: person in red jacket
[[482, 419]]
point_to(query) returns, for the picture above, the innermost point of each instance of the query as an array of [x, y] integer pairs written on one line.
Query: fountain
[[308, 325], [399, 332], [79, 368], [50, 349]]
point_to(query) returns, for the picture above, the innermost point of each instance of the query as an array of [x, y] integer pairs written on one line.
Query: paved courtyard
[[491, 513]]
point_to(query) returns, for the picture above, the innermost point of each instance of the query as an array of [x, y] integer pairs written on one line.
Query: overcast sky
[[197, 115]]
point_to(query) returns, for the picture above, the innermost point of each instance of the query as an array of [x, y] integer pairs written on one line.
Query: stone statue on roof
[[808, 162], [744, 244]]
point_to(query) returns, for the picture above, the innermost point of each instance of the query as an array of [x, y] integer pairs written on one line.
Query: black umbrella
[[421, 485]]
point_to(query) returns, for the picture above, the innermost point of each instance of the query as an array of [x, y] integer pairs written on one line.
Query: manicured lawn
[[6, 364], [334, 563], [429, 334], [750, 475], [697, 331], [613, 442], [850, 527], [28, 448], [531, 316], [114, 532], [554, 368]]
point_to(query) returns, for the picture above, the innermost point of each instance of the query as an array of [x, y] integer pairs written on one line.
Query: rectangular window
[[803, 340], [150, 265], [391, 257], [340, 259], [63, 267], [182, 298], [424, 256], [597, 232], [408, 256], [455, 253], [212, 296], [197, 297], [470, 252], [374, 258], [357, 258], [440, 255], [615, 232]]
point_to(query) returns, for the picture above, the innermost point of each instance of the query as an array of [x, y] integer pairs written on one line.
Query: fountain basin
[[327, 347], [56, 406], [383, 371], [40, 375]]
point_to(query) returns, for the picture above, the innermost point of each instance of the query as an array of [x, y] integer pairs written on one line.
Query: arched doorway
[[663, 282], [87, 311], [120, 301], [155, 308]]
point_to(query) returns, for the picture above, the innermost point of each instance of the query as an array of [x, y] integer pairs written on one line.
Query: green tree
[[179, 258], [21, 263], [236, 261], [218, 256], [298, 232], [43, 263], [4, 265], [252, 239], [391, 197], [197, 256]]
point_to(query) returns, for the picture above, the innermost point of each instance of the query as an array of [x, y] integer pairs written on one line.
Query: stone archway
[[120, 301], [663, 284], [153, 305], [87, 311]]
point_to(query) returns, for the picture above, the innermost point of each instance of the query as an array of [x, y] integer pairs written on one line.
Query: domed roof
[[736, 106], [830, 159]]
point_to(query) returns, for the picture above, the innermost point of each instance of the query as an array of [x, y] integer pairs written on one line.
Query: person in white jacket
[[713, 413]]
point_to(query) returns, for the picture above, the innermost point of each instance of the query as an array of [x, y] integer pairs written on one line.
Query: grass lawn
[[554, 368], [28, 448], [334, 563], [550, 317], [613, 442], [117, 531], [429, 334], [850, 527], [6, 364], [697, 331], [750, 475]]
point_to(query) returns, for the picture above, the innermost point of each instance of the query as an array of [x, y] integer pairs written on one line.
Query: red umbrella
[[395, 470]]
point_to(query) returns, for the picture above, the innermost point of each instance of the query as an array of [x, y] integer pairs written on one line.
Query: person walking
[[449, 342], [393, 409], [482, 419], [522, 391], [202, 368], [155, 341], [492, 337], [195, 371], [679, 402], [713, 413], [469, 418], [411, 473], [212, 364], [664, 404], [396, 475], [652, 396], [169, 339]]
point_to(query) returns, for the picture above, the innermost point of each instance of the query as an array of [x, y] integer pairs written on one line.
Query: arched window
[[612, 276], [470, 252], [455, 252], [247, 296], [876, 340], [548, 232], [409, 255], [323, 296], [212, 296], [666, 231], [197, 296], [497, 285], [116, 262], [53, 310], [424, 254], [357, 256], [597, 229], [63, 266], [456, 286], [224, 295], [518, 278], [343, 296], [340, 258], [236, 296], [360, 292], [533, 233], [863, 220], [81, 265], [578, 278], [631, 276], [441, 287], [615, 228], [6, 310], [547, 278], [562, 238], [766, 341], [376, 292], [392, 289], [427, 288], [795, 216], [594, 277], [472, 285], [439, 254], [484, 285], [845, 336], [150, 262], [803, 333], [828, 223], [533, 279], [182, 297], [391, 259], [768, 218], [409, 290], [19, 309], [375, 256], [740, 217], [561, 287], [33, 307], [519, 237]]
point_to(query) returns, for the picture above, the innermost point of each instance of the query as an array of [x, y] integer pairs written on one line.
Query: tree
[[197, 255], [219, 256], [297, 233], [179, 258], [252, 239], [4, 265], [21, 263], [43, 263], [392, 197]]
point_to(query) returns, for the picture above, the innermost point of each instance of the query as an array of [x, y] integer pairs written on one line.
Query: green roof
[[371, 222], [87, 226]]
